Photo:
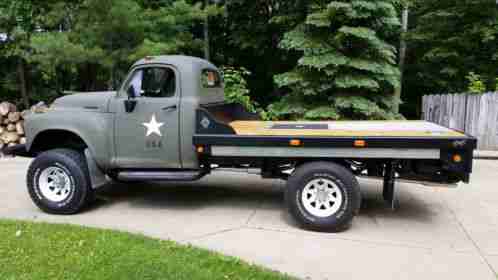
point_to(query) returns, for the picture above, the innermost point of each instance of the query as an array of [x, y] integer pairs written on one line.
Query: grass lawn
[[46, 251]]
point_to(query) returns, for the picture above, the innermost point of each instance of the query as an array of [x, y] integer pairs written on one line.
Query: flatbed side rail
[[444, 149], [463, 143], [325, 152]]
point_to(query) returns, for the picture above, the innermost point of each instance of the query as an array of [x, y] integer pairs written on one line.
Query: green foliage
[[295, 107], [347, 66], [476, 84], [19, 20], [304, 56], [248, 34], [339, 107], [111, 34], [90, 44], [236, 90], [447, 40]]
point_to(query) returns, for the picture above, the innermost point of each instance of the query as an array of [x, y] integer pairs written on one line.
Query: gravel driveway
[[435, 234]]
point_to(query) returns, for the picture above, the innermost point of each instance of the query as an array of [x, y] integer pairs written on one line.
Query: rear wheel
[[323, 196], [58, 181]]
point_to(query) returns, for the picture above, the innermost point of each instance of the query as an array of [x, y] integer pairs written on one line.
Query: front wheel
[[58, 181], [323, 196]]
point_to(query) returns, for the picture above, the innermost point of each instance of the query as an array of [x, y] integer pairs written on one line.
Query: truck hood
[[88, 101]]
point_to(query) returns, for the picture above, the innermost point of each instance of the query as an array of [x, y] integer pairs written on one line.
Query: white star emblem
[[153, 126]]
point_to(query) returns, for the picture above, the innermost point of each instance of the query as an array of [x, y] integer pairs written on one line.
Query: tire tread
[[79, 161], [350, 182]]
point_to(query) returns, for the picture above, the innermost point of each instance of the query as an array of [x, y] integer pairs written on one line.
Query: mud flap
[[97, 177], [389, 192]]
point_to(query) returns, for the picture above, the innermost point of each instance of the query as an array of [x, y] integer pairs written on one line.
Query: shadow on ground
[[245, 194]]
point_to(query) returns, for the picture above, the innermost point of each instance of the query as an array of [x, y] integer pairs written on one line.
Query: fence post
[[465, 112]]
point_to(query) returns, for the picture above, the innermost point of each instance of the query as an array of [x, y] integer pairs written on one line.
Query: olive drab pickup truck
[[169, 122]]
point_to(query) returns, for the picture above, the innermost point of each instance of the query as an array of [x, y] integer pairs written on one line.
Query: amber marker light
[[200, 149], [360, 143], [295, 142], [457, 158]]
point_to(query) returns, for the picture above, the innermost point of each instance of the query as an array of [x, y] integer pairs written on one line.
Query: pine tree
[[347, 69]]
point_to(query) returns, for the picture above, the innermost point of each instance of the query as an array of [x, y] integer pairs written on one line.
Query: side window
[[210, 78], [153, 82]]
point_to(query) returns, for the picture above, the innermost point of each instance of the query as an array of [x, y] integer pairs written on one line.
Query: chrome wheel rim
[[55, 184], [321, 197]]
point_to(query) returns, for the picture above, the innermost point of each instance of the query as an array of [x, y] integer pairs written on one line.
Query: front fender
[[94, 128]]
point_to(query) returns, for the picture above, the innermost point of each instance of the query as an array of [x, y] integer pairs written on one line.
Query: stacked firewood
[[11, 125]]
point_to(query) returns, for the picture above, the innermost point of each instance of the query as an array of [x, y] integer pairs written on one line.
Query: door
[[148, 136]]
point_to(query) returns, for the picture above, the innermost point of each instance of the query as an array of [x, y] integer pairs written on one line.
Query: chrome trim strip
[[314, 152]]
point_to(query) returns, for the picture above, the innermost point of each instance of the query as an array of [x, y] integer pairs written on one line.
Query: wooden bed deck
[[344, 129]]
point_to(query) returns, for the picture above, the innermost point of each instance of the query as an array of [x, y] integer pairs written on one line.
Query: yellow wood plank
[[348, 128]]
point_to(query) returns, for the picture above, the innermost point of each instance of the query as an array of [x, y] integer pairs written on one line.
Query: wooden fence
[[476, 114]]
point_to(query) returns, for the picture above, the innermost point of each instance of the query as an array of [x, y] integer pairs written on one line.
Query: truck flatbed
[[345, 128], [335, 139], [417, 150]]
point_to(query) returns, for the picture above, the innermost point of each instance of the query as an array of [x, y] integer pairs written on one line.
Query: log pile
[[11, 125]]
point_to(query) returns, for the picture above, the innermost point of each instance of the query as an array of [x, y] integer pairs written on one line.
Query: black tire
[[345, 183], [74, 165]]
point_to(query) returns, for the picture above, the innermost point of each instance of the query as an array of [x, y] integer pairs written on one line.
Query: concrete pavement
[[435, 234], [483, 154]]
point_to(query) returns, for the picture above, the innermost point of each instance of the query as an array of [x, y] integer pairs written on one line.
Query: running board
[[160, 175]]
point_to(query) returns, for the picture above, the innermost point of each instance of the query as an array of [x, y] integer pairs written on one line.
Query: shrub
[[476, 85], [236, 89]]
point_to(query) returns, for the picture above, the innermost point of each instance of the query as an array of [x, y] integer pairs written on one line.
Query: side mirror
[[130, 103], [131, 92]]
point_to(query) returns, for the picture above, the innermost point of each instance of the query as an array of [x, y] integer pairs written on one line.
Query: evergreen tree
[[347, 68]]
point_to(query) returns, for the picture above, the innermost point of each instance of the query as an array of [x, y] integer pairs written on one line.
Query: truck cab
[[148, 123], [155, 112], [169, 121]]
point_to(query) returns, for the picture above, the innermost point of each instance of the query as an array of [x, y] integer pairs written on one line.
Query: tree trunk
[[402, 56], [110, 85], [206, 34], [89, 79], [23, 87]]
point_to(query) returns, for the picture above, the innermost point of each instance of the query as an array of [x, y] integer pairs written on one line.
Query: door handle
[[170, 108]]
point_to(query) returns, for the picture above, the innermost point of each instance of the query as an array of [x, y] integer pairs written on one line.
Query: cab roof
[[176, 60]]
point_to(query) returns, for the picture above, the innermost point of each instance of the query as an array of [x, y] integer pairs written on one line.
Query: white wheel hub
[[321, 197], [55, 184]]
